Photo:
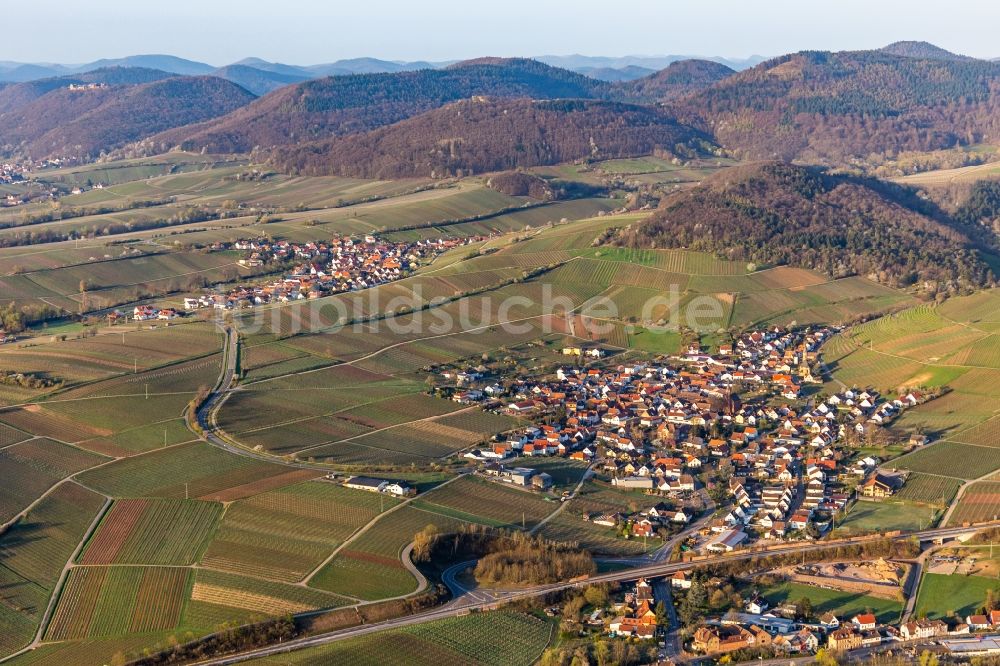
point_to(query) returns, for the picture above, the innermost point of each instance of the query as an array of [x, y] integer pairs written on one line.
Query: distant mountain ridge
[[323, 108], [680, 78], [836, 108], [480, 135], [610, 74], [258, 81], [829, 108], [606, 68], [655, 63], [48, 118]]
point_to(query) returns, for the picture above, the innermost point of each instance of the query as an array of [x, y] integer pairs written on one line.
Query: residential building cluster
[[655, 427], [793, 478], [635, 617], [10, 173], [340, 265], [760, 627]]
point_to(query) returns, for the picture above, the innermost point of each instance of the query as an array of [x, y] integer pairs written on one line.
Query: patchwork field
[[284, 534], [218, 597], [196, 538], [30, 468], [369, 567], [35, 550], [141, 531], [113, 601], [194, 470]]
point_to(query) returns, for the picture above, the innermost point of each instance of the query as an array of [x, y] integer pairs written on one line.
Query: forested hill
[[679, 79], [83, 123], [14, 95], [921, 50], [775, 213], [836, 108], [479, 135], [333, 106]]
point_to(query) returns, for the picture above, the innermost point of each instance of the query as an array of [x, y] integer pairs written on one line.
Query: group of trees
[[29, 381], [521, 184], [506, 557], [602, 652], [225, 642], [982, 207], [520, 559], [15, 318]]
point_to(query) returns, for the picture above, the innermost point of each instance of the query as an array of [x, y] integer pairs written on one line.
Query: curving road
[[205, 415]]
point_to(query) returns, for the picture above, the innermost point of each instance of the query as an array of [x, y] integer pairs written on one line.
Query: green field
[[195, 470], [30, 468], [940, 595], [842, 604], [888, 515]]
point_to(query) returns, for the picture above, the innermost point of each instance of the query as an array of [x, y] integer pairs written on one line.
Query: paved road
[[672, 640], [646, 571], [206, 413]]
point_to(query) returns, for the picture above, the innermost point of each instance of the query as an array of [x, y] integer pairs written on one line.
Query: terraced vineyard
[[194, 470], [141, 531], [113, 601], [35, 550], [284, 534], [29, 469], [487, 639]]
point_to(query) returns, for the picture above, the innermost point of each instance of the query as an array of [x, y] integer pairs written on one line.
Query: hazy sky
[[314, 31]]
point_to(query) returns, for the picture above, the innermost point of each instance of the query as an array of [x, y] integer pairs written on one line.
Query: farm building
[[640, 482], [390, 487], [880, 485]]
